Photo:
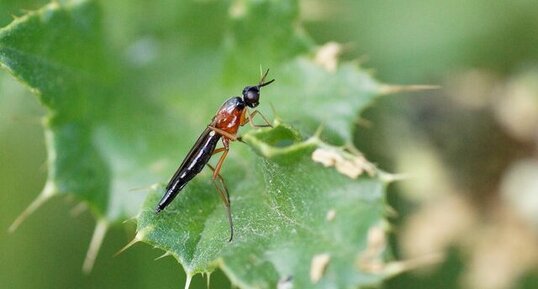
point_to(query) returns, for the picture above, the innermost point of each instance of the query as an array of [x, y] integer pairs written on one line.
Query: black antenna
[[262, 83]]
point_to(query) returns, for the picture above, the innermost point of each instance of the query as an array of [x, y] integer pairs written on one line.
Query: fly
[[224, 126]]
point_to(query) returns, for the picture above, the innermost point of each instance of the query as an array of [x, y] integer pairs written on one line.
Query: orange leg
[[220, 162], [224, 195], [218, 151], [251, 116]]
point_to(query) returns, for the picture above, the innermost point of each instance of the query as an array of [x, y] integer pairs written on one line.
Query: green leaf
[[282, 205], [9, 9], [57, 52], [125, 105], [96, 149]]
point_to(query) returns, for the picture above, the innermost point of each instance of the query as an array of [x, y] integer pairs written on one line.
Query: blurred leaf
[[9, 9]]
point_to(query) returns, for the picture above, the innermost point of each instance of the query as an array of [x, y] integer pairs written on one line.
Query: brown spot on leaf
[[318, 266], [345, 163]]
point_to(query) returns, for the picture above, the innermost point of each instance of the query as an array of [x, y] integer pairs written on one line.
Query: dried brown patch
[[345, 163], [318, 266]]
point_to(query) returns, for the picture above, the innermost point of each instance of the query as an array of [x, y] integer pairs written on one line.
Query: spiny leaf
[[281, 198], [57, 52], [280, 211], [93, 151], [119, 121], [96, 148]]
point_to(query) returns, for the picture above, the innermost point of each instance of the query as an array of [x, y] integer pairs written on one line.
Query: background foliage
[[462, 136]]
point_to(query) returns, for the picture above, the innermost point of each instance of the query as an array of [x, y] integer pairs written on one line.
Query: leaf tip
[[48, 192], [398, 267], [78, 209], [188, 280], [390, 178], [95, 245], [317, 133], [131, 219], [385, 89], [166, 254], [137, 238]]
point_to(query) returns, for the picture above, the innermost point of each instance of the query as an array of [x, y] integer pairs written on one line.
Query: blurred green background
[[463, 137]]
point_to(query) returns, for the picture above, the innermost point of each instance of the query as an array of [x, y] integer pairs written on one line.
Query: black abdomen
[[192, 165]]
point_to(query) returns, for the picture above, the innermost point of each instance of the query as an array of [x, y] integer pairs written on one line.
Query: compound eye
[[252, 95]]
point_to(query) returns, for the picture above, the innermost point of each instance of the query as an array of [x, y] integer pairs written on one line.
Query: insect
[[231, 115]]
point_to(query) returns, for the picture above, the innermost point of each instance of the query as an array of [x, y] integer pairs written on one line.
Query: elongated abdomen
[[193, 164]]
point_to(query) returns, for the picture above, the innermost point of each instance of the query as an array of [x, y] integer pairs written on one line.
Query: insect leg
[[251, 116], [222, 158], [226, 134], [218, 151], [224, 195]]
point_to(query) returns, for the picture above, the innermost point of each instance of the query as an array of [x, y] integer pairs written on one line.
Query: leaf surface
[[287, 209], [126, 103]]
